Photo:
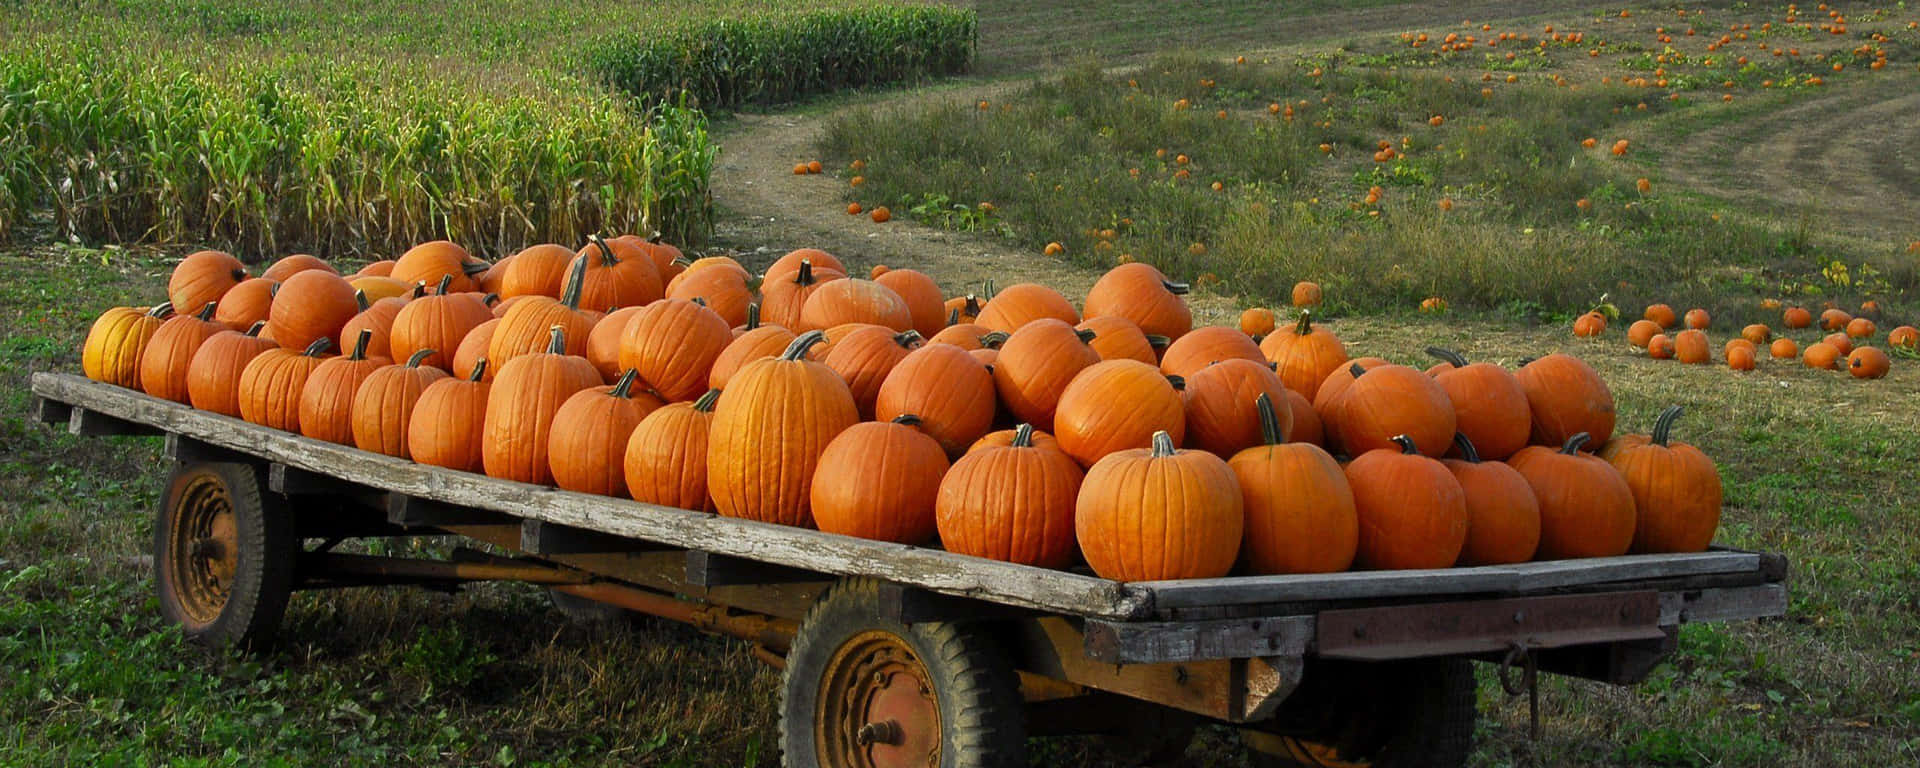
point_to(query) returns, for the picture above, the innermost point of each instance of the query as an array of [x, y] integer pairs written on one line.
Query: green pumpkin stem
[[805, 275], [1163, 445], [419, 356], [1022, 436], [993, 339], [907, 339], [206, 312], [953, 316], [237, 274], [479, 372], [1305, 324], [161, 309], [1406, 445], [446, 284], [1269, 420], [1177, 289], [907, 419], [986, 289], [318, 347], [557, 340], [706, 401], [273, 290], [360, 344], [1467, 451], [1663, 426], [972, 305], [1086, 335], [1158, 341], [1448, 356], [699, 300], [360, 298], [602, 252], [1356, 369], [1179, 382], [798, 349], [576, 281], [475, 267], [420, 287], [255, 329], [753, 315], [623, 388], [1573, 444], [490, 299], [682, 262]]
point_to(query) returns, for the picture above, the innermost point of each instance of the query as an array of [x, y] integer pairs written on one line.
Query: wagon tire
[[223, 555], [863, 690], [585, 612], [1403, 714]]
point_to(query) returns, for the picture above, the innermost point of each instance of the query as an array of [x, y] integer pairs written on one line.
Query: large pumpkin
[[118, 340], [1412, 511], [473, 350], [1035, 365], [751, 342], [851, 300], [722, 290], [287, 267], [1586, 507], [529, 389], [524, 327], [1504, 516], [666, 459], [865, 357], [1116, 405], [769, 428], [1012, 502], [539, 270], [167, 360], [608, 283], [247, 303], [1306, 423], [603, 342], [1389, 401], [1204, 346], [270, 385], [587, 449], [326, 402], [783, 295], [384, 405], [1157, 513], [1140, 293], [925, 302], [1303, 355], [377, 319], [950, 392], [1017, 305], [312, 304], [202, 278], [1489, 405], [447, 427], [879, 480], [1117, 338], [439, 322], [1676, 491], [785, 267], [433, 261], [1566, 397], [1299, 509], [213, 376], [1221, 416], [673, 344]]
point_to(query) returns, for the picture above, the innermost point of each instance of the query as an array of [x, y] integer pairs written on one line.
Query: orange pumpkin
[[1196, 350], [1660, 347], [1012, 502], [377, 288], [666, 458], [1590, 325], [1140, 293], [967, 336], [1220, 411], [849, 300], [1784, 349], [1741, 358], [1757, 333], [447, 426], [526, 394], [1566, 397], [1117, 338], [925, 302], [879, 480], [247, 303], [865, 357], [1641, 332], [1022, 303], [1157, 513], [473, 349], [326, 402], [1489, 405], [724, 291], [754, 343], [1821, 355], [1841, 342], [768, 431], [202, 278], [609, 282], [1256, 322], [376, 318], [1306, 294], [525, 328], [1326, 400], [1676, 491], [1834, 320], [1796, 317], [1035, 365], [603, 342], [213, 376], [1868, 363], [383, 406], [784, 295], [1698, 319], [1503, 515], [587, 446], [1115, 405], [1662, 314], [1858, 328], [949, 391], [1586, 508], [312, 304], [673, 344], [165, 363], [381, 268], [1393, 400], [1300, 516], [1411, 510], [1307, 427], [784, 268], [117, 342], [1304, 355], [539, 270], [442, 322], [280, 270], [270, 385], [1904, 337], [1690, 346], [963, 309], [431, 262]]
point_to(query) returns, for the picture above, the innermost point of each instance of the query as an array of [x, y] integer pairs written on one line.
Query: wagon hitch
[[1518, 654]]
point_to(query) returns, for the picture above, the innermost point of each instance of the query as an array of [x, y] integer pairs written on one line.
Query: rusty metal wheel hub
[[203, 549], [877, 706]]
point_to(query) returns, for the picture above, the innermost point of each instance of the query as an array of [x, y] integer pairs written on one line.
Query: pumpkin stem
[[1572, 446], [986, 289], [682, 262], [1448, 356], [420, 286], [604, 253], [1406, 445], [699, 300], [1086, 335], [556, 340], [802, 343], [1269, 421], [1179, 382], [273, 290], [1158, 341], [576, 281], [907, 419], [1305, 325], [161, 309], [908, 338], [446, 284], [319, 347], [360, 298], [993, 339], [753, 315], [1177, 289], [479, 370], [1162, 444], [973, 305], [490, 299], [237, 274], [624, 387], [706, 401], [419, 356], [953, 316], [1356, 369], [1467, 451], [206, 312], [1663, 426], [1022, 436], [360, 344], [1526, 361], [805, 275], [475, 267], [255, 329]]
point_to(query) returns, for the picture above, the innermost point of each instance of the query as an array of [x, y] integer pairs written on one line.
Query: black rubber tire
[[983, 721], [262, 580], [1407, 714], [580, 610]]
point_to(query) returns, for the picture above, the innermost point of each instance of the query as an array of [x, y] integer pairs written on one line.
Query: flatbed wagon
[[898, 655]]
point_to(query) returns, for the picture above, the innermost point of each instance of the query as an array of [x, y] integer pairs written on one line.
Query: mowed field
[[1751, 199]]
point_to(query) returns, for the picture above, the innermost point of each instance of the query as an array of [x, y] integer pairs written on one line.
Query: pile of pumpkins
[[1840, 348], [1008, 425]]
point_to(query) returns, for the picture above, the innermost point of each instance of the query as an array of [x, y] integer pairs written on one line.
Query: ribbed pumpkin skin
[[326, 402], [603, 343], [117, 341], [1257, 321], [289, 266], [1004, 437], [1412, 511], [784, 295], [963, 309], [168, 358], [724, 290], [1326, 399], [759, 343], [1676, 492], [446, 428], [203, 277], [381, 268], [1586, 507], [539, 270], [430, 261], [587, 450], [1394, 400], [473, 349], [270, 388], [785, 267], [1300, 516], [312, 304], [520, 409], [608, 284], [1489, 407], [439, 323], [666, 460], [926, 305], [1117, 338], [1139, 293], [951, 392], [865, 357], [1035, 365], [1566, 397], [1158, 513], [1304, 355], [376, 288], [1221, 418], [851, 300], [1114, 406], [1010, 504], [879, 480], [377, 318], [245, 304], [769, 428], [523, 330], [673, 344], [383, 407], [1504, 516], [1022, 303], [1204, 346], [1306, 423], [213, 377]]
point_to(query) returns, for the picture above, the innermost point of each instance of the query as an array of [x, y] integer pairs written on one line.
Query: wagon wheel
[[862, 691], [222, 556], [583, 611], [1386, 714]]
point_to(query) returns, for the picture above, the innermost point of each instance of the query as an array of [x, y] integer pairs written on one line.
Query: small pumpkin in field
[[1586, 507], [925, 303], [1859, 328], [326, 402], [164, 364], [768, 430], [446, 428], [1220, 406], [384, 404], [202, 278], [1140, 293], [1904, 337], [1489, 405], [1392, 401], [1642, 332], [674, 344], [1841, 342], [1306, 294], [1821, 355], [946, 389], [1303, 355], [442, 322], [1412, 511], [1256, 322], [247, 303], [879, 480], [526, 394], [1796, 318], [1698, 319], [1117, 338], [1676, 491], [865, 357], [1203, 346], [1115, 405], [1757, 333], [117, 342], [587, 446], [1012, 502], [213, 376], [1017, 305], [1868, 363], [270, 384], [1590, 325], [1300, 514], [1690, 346], [1035, 365], [430, 262], [1566, 397], [1834, 320], [1661, 314], [666, 458], [1783, 349], [1504, 516], [1156, 513], [1742, 358]]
